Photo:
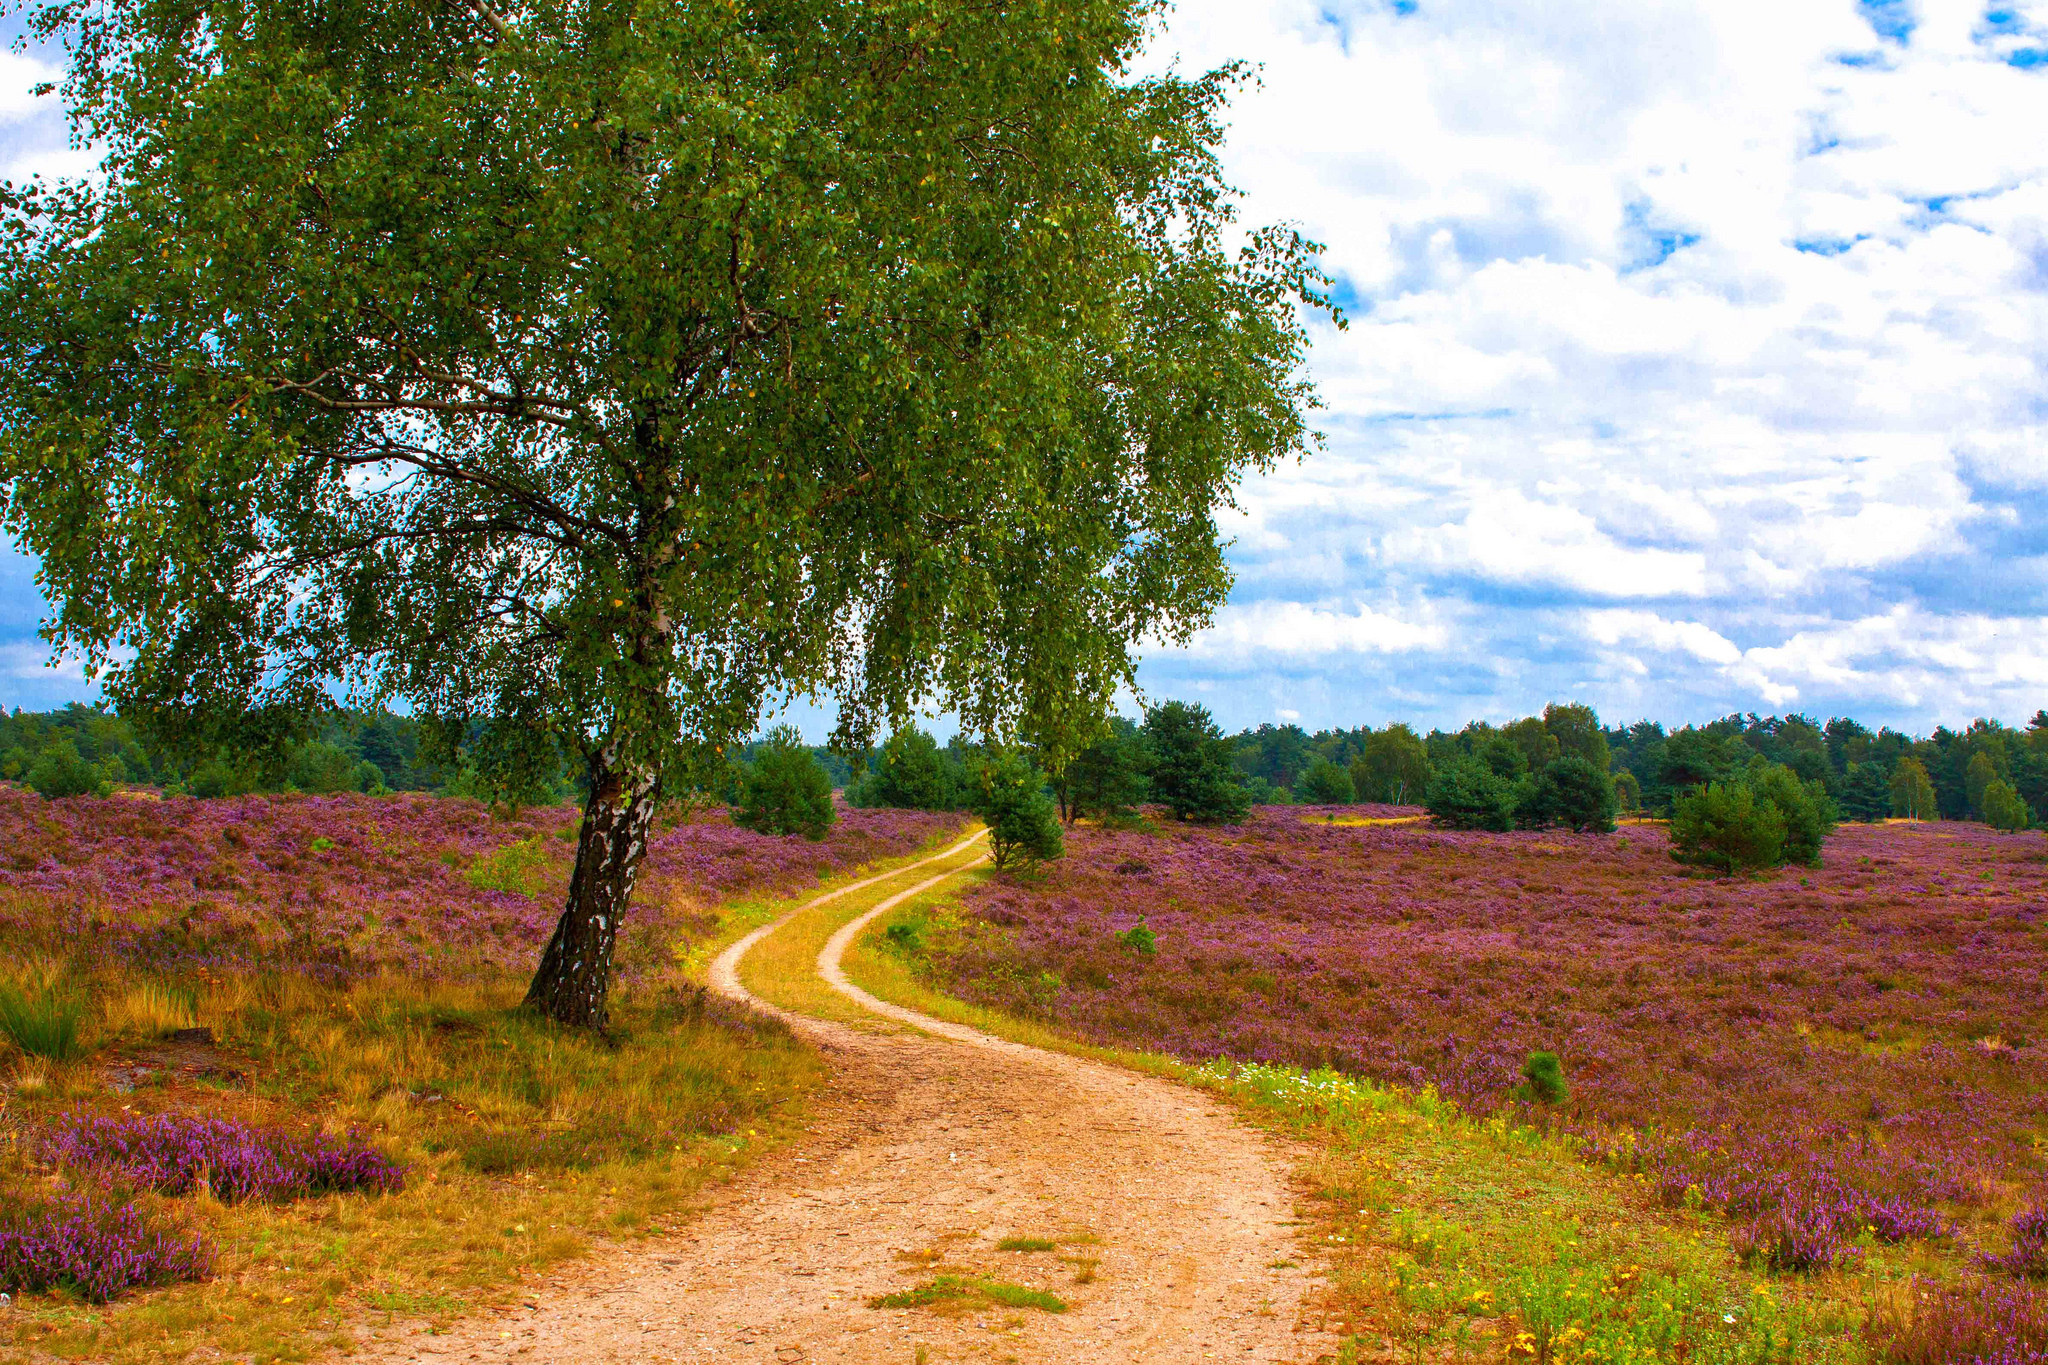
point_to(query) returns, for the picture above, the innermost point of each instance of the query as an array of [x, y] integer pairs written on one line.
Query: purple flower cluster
[[343, 886], [1796, 1237], [173, 1153], [1977, 1323], [2028, 1255], [95, 1247], [1856, 1046]]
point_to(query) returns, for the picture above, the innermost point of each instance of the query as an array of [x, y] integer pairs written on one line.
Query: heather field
[[341, 887], [268, 1062], [1844, 1068]]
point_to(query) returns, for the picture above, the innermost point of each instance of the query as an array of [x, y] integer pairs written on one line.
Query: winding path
[[1171, 1221]]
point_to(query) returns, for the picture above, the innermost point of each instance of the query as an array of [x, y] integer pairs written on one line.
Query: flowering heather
[[1861, 1047], [1986, 1323], [98, 1248], [171, 1153], [342, 886], [2029, 1253]]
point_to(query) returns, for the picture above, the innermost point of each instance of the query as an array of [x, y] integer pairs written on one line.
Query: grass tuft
[[40, 1014], [945, 1289], [1026, 1244]]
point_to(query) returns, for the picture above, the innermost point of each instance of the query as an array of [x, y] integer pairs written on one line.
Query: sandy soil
[[1173, 1223]]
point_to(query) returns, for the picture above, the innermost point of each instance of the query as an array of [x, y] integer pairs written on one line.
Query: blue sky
[[1698, 362]]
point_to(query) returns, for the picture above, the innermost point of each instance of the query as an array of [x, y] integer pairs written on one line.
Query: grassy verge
[[526, 1145], [781, 968], [1452, 1238]]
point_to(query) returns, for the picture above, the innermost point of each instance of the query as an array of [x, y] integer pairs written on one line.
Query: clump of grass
[[40, 1014], [150, 1009], [945, 1289], [1026, 1244]]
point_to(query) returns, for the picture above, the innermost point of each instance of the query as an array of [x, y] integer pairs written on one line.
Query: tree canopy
[[589, 376]]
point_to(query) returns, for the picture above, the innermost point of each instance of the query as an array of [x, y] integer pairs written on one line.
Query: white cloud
[[20, 74], [1658, 302], [1297, 630], [31, 661]]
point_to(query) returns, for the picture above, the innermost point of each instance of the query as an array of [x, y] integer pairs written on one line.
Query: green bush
[[216, 777], [1467, 794], [59, 772], [1325, 784], [1503, 757], [1108, 778], [911, 772], [1192, 774], [1569, 791], [1543, 1076], [1140, 939], [2004, 809], [1023, 825], [785, 790], [1808, 811], [1726, 827]]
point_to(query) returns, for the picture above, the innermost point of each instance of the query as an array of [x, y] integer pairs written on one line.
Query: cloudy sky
[[1698, 361]]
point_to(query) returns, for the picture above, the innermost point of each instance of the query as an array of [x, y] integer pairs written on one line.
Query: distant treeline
[[83, 749], [1870, 773]]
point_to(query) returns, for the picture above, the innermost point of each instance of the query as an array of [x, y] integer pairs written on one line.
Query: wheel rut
[[1171, 1221]]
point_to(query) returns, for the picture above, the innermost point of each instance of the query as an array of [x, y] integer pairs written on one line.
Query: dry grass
[[527, 1144]]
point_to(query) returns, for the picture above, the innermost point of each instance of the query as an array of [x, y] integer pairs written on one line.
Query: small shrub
[[2004, 809], [1325, 784], [904, 938], [1725, 828], [1191, 770], [785, 790], [1139, 938], [59, 772], [1023, 824], [1569, 791], [1805, 807], [1543, 1077], [41, 1017], [518, 869], [1470, 795], [95, 1247]]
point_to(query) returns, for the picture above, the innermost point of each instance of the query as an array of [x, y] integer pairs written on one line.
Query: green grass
[[1459, 1239], [1027, 1244], [963, 1290], [41, 1014]]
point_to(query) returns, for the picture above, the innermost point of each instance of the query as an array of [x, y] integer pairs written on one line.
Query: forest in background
[[82, 748]]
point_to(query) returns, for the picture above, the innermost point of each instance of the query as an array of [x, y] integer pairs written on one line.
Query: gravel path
[[1171, 1221]]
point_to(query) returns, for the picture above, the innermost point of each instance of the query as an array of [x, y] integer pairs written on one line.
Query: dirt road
[[1156, 1226]]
